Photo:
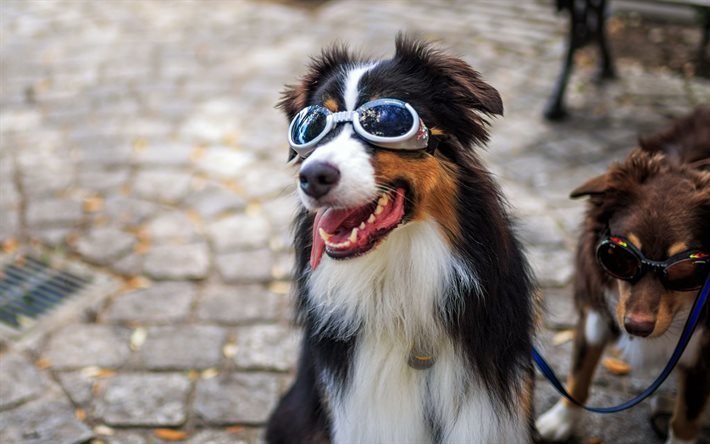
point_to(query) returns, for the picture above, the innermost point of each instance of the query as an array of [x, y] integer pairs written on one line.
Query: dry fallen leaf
[[93, 204], [170, 434], [105, 373], [563, 336], [135, 283], [234, 429], [594, 440], [9, 245], [142, 247], [42, 363], [80, 414], [616, 366]]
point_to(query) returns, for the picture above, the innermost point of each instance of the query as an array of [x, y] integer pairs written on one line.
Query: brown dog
[[642, 255]]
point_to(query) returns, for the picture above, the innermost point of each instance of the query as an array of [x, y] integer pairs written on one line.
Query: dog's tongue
[[328, 220]]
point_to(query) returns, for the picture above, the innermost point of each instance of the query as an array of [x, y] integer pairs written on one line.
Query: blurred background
[[143, 181]]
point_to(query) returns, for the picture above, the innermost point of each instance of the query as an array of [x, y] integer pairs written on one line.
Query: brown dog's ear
[[595, 186]]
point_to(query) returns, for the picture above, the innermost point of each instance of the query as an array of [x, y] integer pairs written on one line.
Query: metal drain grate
[[30, 288]]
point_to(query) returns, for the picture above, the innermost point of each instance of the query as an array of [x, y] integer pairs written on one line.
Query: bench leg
[[606, 63], [555, 109], [703, 67], [587, 22]]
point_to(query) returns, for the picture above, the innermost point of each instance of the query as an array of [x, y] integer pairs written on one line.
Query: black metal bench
[[588, 25]]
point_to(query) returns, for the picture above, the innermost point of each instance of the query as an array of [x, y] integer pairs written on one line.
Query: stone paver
[[143, 399], [269, 347], [19, 380], [84, 345], [245, 266], [190, 261], [239, 304], [103, 245], [142, 139], [160, 303], [235, 398], [43, 421], [183, 347]]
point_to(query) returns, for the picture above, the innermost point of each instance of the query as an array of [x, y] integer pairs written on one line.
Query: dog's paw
[[674, 440], [558, 423]]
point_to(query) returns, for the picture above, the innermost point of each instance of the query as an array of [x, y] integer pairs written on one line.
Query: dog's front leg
[[300, 416], [591, 336], [693, 391]]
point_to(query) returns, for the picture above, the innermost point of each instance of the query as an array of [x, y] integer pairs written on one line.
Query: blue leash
[[688, 330]]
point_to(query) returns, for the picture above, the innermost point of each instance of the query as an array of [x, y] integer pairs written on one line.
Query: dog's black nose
[[639, 325], [317, 178]]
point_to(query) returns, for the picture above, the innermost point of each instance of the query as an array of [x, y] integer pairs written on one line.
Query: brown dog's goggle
[[684, 271]]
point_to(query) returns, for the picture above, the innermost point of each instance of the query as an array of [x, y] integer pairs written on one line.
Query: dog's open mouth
[[349, 232]]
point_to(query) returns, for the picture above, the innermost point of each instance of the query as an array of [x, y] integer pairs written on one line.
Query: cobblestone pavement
[[140, 137]]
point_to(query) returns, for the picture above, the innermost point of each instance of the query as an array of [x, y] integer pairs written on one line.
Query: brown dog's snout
[[639, 324], [318, 178]]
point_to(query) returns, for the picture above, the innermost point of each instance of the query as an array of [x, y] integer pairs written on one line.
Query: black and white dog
[[412, 290]]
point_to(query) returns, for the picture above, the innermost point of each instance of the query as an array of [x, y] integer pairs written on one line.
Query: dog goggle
[[387, 123], [681, 272]]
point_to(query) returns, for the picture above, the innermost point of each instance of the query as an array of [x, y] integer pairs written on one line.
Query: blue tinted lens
[[386, 120], [309, 124]]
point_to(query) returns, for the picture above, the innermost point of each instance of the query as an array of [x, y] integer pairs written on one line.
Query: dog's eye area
[[386, 120], [687, 274], [618, 261], [309, 124]]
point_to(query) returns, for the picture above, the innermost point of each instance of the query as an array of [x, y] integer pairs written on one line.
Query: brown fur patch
[[676, 248], [527, 396], [635, 240], [331, 104], [433, 182]]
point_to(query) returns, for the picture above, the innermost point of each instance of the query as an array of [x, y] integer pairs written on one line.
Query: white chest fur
[[392, 297]]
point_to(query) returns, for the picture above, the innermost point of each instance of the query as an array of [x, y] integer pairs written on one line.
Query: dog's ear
[[463, 84], [595, 186], [456, 93], [296, 97]]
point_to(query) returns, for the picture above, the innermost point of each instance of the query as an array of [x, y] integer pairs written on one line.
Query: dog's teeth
[[323, 235], [362, 225], [371, 219], [345, 244], [379, 209], [384, 200], [353, 235]]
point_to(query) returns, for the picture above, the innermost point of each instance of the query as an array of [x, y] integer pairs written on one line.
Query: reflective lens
[[386, 119], [686, 274], [618, 261], [308, 124]]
